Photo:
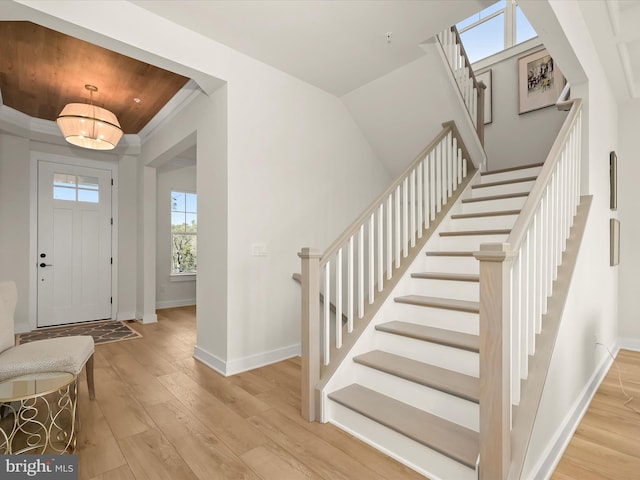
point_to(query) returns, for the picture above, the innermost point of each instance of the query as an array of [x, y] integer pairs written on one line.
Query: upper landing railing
[[471, 90]]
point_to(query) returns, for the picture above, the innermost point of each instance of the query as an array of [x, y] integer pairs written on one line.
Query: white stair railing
[[516, 280], [471, 90], [353, 271]]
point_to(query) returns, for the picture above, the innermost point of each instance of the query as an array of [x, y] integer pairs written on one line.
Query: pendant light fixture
[[89, 126]]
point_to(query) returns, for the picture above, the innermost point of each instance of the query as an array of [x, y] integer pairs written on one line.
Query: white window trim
[[510, 36]]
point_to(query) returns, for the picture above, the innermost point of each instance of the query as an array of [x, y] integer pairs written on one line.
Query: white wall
[[592, 310], [628, 201], [512, 139], [401, 112], [127, 237], [176, 291], [14, 220]]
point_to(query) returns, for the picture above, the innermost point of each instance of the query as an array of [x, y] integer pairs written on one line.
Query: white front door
[[74, 244]]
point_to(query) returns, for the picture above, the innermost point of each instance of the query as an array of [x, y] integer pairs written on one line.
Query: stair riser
[[515, 174], [423, 351], [451, 264], [502, 189], [433, 401], [515, 203], [468, 243], [424, 460], [443, 288], [438, 318], [483, 223]]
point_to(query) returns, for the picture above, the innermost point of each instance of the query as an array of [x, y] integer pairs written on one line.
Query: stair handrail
[[516, 278], [395, 220], [471, 90]]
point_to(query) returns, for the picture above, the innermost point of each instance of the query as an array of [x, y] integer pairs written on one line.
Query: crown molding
[[180, 100]]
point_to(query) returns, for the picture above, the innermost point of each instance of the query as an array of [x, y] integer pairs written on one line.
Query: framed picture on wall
[[540, 82], [614, 242], [485, 77], [613, 181]]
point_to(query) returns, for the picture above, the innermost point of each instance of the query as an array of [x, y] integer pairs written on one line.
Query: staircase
[[413, 388]]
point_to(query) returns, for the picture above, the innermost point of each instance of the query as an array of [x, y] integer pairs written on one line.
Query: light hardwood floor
[[159, 414], [606, 445]]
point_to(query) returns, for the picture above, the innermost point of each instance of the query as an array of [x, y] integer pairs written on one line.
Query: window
[[184, 233], [494, 29], [74, 188]]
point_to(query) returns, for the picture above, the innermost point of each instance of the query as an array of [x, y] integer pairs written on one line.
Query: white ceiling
[[335, 45], [614, 27]]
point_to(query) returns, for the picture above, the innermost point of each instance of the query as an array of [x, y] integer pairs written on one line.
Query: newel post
[[495, 361], [310, 332]]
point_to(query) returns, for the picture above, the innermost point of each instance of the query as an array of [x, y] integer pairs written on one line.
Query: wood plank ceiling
[[42, 70]]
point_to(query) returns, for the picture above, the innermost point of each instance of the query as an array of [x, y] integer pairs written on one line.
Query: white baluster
[[433, 189], [380, 247], [439, 184], [405, 218], [371, 269], [420, 202], [361, 272], [326, 324], [397, 227], [350, 277], [339, 299], [412, 207], [389, 236], [454, 163]]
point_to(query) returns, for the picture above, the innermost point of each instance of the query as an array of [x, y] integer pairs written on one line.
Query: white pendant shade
[[89, 126]]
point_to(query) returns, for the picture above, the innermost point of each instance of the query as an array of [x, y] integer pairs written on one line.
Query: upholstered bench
[[64, 354]]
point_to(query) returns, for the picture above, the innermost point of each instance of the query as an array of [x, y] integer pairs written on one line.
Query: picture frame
[[614, 242], [613, 181], [485, 77], [540, 81]]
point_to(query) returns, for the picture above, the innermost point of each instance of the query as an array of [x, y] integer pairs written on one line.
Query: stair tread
[[448, 381], [449, 338], [512, 169], [496, 213], [437, 302], [505, 182], [495, 197], [440, 253], [465, 233], [458, 277], [443, 436]]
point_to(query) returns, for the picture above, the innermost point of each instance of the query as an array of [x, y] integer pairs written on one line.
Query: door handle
[[46, 265]]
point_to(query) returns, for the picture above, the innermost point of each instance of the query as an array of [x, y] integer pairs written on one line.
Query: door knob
[[46, 265]]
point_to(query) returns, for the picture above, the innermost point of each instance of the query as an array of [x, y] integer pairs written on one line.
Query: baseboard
[[175, 303], [261, 359], [556, 446], [149, 318], [233, 367], [22, 327], [210, 360], [629, 343], [122, 316]]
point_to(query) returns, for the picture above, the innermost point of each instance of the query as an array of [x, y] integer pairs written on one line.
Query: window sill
[[518, 49], [182, 277]]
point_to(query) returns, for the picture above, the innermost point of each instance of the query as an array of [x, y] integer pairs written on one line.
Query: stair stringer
[[345, 374]]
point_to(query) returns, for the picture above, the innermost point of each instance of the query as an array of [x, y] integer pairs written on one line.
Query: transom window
[[494, 29], [76, 188], [184, 233]]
